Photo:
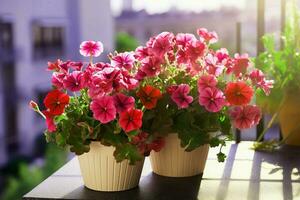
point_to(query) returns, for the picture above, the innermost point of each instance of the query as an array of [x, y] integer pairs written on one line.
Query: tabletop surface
[[245, 174]]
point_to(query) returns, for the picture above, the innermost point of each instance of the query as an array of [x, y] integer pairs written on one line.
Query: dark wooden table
[[245, 175]]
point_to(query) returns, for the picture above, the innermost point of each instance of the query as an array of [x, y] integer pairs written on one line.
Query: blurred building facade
[[142, 25], [33, 32]]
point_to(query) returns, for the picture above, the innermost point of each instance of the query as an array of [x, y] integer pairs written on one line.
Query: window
[[7, 76], [6, 41], [48, 42]]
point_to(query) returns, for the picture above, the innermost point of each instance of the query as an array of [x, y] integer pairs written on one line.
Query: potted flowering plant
[[101, 118], [283, 65], [176, 93], [191, 95]]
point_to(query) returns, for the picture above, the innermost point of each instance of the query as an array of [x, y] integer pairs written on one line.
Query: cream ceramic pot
[[101, 172], [173, 161]]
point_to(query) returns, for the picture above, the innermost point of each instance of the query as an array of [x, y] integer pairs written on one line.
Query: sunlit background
[[33, 32]]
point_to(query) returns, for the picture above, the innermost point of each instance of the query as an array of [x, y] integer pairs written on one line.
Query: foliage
[[174, 84], [282, 65], [125, 42], [30, 176]]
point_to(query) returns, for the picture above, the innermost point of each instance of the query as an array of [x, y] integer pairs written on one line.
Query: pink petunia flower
[[205, 35], [258, 79], [206, 81], [127, 81], [141, 52], [241, 63], [73, 81], [212, 99], [162, 44], [222, 55], [123, 60], [91, 48], [57, 80], [123, 102], [245, 116], [195, 49], [103, 109], [183, 39], [151, 66], [213, 66], [182, 57], [180, 96]]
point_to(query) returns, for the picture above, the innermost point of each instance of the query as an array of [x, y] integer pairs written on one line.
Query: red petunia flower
[[54, 66], [49, 121], [149, 96], [56, 102], [131, 120], [238, 93]]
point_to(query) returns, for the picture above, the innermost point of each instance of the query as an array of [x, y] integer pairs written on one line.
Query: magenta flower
[[123, 102], [91, 48], [212, 99], [206, 81], [180, 96], [141, 53], [140, 75], [209, 37], [241, 63], [73, 81], [182, 57], [258, 79], [245, 116], [151, 66], [123, 60], [103, 109], [195, 50], [57, 80], [162, 44], [222, 55], [183, 39], [127, 81]]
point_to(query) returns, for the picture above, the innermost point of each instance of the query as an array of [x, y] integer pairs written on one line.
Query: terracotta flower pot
[[101, 172], [289, 119], [173, 161]]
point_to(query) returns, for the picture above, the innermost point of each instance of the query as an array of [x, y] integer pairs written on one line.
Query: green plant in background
[[29, 177], [125, 42], [283, 66]]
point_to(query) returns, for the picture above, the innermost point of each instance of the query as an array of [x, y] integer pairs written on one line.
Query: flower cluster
[[175, 83]]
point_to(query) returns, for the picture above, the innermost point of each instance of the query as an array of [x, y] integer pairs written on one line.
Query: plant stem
[[270, 122], [268, 126]]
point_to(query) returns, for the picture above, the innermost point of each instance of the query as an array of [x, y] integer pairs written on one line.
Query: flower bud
[[33, 105]]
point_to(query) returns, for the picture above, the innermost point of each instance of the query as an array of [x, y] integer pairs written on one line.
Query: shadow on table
[[286, 159], [151, 187]]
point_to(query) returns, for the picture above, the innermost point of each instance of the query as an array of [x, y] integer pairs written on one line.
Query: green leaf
[[221, 157], [225, 124], [127, 151], [190, 135], [214, 142]]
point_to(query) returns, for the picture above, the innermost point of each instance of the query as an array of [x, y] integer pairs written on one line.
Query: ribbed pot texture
[[101, 172], [173, 161]]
